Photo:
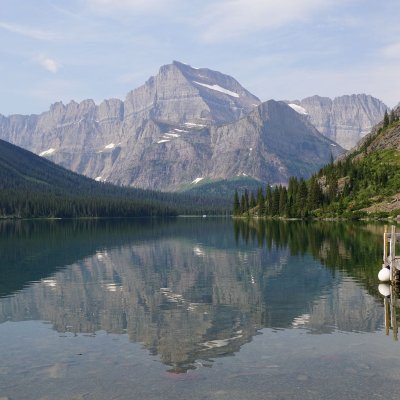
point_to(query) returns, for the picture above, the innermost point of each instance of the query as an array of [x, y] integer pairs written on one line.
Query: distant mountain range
[[186, 127], [345, 119]]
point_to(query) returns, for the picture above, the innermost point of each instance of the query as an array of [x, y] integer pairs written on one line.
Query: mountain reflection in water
[[191, 290]]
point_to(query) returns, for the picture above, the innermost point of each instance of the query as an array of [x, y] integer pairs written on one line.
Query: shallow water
[[193, 308]]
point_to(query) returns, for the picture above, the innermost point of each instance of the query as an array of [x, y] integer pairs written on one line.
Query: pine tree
[[236, 204], [301, 197], [392, 117], [292, 195], [243, 208], [386, 120], [283, 201], [314, 199], [332, 187], [260, 202], [246, 200], [275, 201], [268, 201], [290, 208], [253, 201]]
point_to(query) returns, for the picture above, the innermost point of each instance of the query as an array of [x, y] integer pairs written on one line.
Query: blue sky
[[53, 50]]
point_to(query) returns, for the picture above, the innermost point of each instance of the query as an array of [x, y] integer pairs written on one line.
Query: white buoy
[[384, 289], [384, 275]]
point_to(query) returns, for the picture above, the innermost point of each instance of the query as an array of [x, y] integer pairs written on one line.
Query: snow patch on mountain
[[172, 135], [47, 152], [197, 180], [217, 88], [298, 109], [192, 124], [180, 130]]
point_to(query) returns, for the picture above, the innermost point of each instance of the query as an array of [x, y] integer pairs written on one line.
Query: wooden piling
[[387, 315], [385, 240], [392, 255], [393, 312]]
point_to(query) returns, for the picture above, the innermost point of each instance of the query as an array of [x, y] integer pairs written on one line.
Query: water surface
[[200, 308]]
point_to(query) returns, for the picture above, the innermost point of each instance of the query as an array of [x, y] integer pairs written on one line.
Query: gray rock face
[[181, 126], [180, 93], [272, 143], [345, 119]]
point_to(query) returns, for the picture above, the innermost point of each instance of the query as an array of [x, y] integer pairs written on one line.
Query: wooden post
[[395, 328], [392, 253], [385, 245], [387, 315], [393, 316]]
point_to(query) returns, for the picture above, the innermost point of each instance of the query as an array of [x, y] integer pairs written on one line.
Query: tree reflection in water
[[191, 290]]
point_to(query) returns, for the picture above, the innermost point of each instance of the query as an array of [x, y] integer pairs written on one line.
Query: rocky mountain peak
[[180, 93]]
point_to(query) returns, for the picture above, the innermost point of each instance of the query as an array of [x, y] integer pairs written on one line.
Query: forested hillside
[[365, 182], [31, 186]]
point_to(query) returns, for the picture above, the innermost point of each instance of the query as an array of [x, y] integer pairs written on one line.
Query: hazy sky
[[53, 50]]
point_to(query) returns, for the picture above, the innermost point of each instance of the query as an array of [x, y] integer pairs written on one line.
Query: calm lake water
[[195, 308]]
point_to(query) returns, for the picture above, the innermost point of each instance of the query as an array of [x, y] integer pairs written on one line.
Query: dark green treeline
[[298, 200]]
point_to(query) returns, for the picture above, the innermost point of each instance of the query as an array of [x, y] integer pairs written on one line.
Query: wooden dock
[[391, 260]]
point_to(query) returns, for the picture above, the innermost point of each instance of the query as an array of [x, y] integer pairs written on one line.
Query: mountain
[[183, 126], [32, 186], [182, 94], [345, 119], [272, 143]]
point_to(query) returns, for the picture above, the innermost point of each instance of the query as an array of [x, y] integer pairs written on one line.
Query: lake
[[199, 308]]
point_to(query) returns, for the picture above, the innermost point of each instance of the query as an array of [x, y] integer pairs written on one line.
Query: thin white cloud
[[47, 63], [229, 19], [32, 33], [391, 51], [130, 6], [50, 64]]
